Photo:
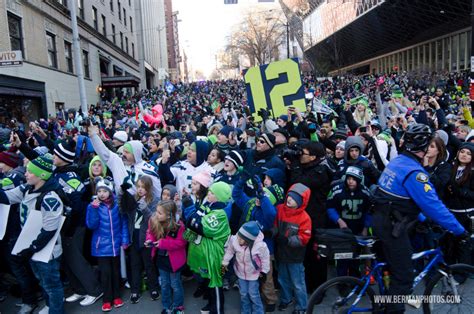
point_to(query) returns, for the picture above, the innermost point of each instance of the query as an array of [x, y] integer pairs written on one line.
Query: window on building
[[124, 17], [113, 34], [85, 61], [111, 5], [68, 56], [52, 53], [121, 40], [16, 34], [129, 3], [80, 6], [126, 44], [439, 54], [119, 9], [133, 50], [454, 52], [94, 18], [447, 53], [104, 25], [63, 2], [462, 51], [131, 24]]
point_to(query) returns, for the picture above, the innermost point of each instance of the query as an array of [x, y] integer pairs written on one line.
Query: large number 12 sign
[[275, 86]]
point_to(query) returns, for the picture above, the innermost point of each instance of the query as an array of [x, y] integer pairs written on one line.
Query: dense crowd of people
[[166, 185]]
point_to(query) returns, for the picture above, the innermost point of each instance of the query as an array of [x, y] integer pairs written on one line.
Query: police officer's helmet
[[356, 173], [417, 137]]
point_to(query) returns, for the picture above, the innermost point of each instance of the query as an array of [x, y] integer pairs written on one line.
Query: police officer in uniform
[[403, 191]]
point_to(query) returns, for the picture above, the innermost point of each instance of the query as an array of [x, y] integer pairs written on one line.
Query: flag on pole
[[169, 87]]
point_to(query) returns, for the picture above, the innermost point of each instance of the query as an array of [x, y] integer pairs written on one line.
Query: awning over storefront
[[120, 81]]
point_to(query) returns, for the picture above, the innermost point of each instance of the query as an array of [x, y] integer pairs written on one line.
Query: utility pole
[[76, 46], [288, 39]]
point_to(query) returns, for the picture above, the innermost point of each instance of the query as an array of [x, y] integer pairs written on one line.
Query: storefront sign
[[11, 58]]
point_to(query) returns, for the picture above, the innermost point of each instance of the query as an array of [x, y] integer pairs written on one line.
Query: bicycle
[[347, 294]]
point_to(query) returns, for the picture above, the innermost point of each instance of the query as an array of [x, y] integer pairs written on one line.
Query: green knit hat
[[41, 166], [222, 191], [212, 139], [128, 147], [104, 166], [362, 99]]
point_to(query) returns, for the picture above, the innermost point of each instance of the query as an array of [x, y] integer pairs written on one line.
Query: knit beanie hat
[[269, 138], [226, 130], [172, 189], [41, 166], [275, 194], [104, 166], [236, 158], [128, 147], [212, 139], [298, 198], [203, 178], [121, 136], [10, 159], [249, 232], [101, 183], [65, 151], [284, 117], [341, 145], [222, 191]]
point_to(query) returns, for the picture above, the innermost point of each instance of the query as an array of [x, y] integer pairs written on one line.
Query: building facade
[[47, 78], [152, 39], [172, 40]]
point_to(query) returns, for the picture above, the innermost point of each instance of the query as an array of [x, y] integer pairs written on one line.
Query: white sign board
[[11, 58], [29, 233], [472, 63], [4, 210]]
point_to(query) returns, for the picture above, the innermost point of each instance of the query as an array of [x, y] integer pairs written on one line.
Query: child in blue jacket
[[110, 232]]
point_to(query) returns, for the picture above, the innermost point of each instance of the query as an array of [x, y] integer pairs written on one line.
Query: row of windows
[[16, 42], [450, 53], [114, 39]]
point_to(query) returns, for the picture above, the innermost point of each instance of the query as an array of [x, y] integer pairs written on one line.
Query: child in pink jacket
[[165, 235], [252, 261]]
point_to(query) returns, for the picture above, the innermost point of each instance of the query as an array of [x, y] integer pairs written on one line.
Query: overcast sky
[[204, 26]]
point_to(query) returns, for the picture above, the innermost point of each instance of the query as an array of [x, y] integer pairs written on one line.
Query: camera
[[293, 152]]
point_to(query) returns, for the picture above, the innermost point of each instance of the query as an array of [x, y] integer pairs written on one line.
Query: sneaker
[[235, 285], [155, 295], [75, 297], [206, 309], [284, 306], [226, 284], [118, 303], [199, 292], [134, 298], [26, 308], [270, 308], [90, 299], [44, 310], [178, 310], [106, 307]]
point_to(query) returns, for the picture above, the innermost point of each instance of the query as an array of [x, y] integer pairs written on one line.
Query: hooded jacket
[[109, 227], [51, 209], [127, 174], [156, 117], [371, 173], [243, 266], [292, 228], [183, 171]]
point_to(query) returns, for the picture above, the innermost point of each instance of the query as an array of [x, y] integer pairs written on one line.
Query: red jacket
[[293, 228]]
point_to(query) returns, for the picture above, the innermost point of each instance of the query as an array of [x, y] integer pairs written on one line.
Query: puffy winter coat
[[174, 244], [110, 229], [243, 266]]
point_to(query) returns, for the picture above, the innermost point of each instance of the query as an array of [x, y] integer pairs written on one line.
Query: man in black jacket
[[314, 171]]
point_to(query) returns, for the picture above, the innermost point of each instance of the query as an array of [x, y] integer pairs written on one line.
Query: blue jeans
[[171, 290], [292, 281], [50, 281], [250, 301]]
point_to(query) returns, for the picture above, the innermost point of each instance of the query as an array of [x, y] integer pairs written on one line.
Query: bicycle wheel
[[440, 292], [338, 295]]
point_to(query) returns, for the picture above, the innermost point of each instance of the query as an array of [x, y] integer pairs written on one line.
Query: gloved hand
[[26, 254], [245, 175], [187, 201], [125, 186], [258, 185]]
